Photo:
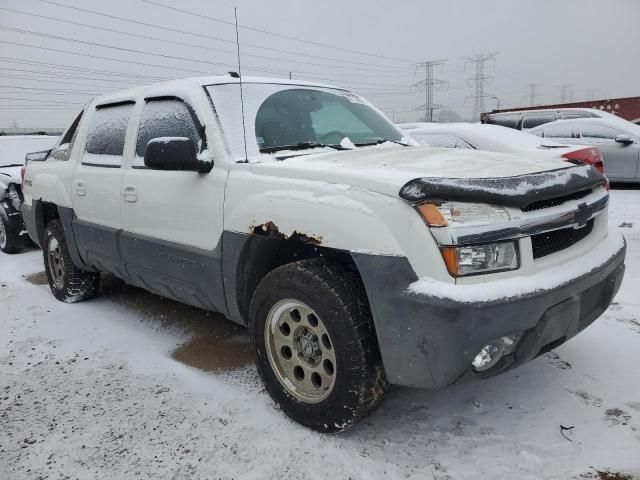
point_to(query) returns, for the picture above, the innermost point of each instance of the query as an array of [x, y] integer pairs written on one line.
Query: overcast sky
[[593, 45]]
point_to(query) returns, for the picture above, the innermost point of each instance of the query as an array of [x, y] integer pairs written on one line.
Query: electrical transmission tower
[[430, 83], [533, 93], [479, 81], [565, 92]]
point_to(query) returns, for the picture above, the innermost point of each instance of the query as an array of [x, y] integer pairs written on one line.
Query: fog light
[[492, 352]]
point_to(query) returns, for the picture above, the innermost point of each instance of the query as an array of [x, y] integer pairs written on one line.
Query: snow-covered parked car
[[500, 139], [13, 150], [617, 138], [355, 259]]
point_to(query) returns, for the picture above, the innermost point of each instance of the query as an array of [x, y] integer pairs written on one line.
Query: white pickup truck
[[356, 259]]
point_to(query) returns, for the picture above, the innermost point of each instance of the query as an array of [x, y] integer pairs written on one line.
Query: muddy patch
[[216, 352], [215, 344], [39, 278]]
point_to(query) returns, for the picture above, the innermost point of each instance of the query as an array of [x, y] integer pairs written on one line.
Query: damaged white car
[[13, 150], [356, 259]]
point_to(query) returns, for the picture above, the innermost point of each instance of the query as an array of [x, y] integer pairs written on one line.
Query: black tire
[[338, 297], [68, 283], [10, 239]]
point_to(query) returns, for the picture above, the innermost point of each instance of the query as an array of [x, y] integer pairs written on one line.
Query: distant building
[[627, 108]]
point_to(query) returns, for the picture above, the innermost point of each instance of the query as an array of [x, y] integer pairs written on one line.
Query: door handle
[[130, 193], [81, 188]]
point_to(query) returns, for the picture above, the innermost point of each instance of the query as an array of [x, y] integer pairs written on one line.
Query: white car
[[12, 157], [355, 259], [527, 119], [499, 139], [617, 139]]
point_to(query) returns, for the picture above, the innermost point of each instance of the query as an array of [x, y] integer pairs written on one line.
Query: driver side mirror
[[174, 153], [624, 139]]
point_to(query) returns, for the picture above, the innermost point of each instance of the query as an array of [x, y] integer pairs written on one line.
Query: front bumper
[[430, 342]]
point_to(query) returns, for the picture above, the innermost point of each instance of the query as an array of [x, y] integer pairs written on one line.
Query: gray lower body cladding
[[424, 341], [429, 342]]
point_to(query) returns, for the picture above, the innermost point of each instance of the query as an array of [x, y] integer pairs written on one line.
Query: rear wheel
[[316, 349], [10, 228], [67, 282]]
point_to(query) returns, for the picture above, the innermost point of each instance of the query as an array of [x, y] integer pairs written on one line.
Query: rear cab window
[[167, 117], [107, 134]]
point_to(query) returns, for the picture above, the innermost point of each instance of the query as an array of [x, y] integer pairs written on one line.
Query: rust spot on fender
[[270, 230]]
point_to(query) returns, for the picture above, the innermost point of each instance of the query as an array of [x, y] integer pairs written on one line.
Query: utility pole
[[565, 92], [479, 81], [429, 84], [532, 93]]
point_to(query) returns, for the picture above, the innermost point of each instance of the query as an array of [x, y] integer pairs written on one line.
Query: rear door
[[173, 219], [620, 160], [95, 188]]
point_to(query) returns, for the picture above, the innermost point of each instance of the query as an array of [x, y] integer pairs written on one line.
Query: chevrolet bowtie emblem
[[583, 215]]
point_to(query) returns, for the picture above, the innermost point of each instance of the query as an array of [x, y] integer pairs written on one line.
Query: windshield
[[305, 117], [293, 117]]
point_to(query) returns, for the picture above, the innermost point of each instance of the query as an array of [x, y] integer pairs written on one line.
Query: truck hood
[[386, 169]]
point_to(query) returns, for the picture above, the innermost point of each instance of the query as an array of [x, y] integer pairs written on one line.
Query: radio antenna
[[244, 129]]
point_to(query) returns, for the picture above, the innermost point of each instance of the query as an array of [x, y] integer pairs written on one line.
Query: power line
[[48, 90], [191, 45], [479, 81], [91, 71], [193, 34], [39, 100], [279, 35], [107, 58], [43, 77], [429, 84]]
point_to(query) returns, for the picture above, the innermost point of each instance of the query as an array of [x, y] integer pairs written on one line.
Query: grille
[[554, 202], [551, 242]]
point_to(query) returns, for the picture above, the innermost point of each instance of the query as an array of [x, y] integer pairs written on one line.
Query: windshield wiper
[[301, 146], [382, 140]]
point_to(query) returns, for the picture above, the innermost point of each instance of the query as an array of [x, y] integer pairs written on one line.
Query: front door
[[620, 160], [173, 220]]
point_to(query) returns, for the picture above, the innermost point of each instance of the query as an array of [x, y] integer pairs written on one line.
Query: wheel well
[[263, 255], [45, 213]]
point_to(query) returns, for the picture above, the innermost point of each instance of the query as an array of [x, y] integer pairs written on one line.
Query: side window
[[107, 132], [534, 120], [599, 132], [558, 130], [166, 117], [510, 121], [62, 151]]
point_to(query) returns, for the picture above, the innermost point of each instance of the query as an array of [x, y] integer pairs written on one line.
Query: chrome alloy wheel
[[300, 351], [56, 263]]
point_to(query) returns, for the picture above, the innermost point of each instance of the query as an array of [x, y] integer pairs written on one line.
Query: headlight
[[476, 259], [460, 213]]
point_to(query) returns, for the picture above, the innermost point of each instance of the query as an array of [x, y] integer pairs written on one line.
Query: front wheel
[[67, 282], [316, 348]]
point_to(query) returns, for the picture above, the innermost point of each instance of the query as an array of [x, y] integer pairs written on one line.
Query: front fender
[[335, 216]]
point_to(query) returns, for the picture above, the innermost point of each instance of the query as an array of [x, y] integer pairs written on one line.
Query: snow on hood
[[386, 170]]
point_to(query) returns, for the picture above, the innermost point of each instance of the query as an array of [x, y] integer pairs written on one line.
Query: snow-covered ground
[[93, 390]]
